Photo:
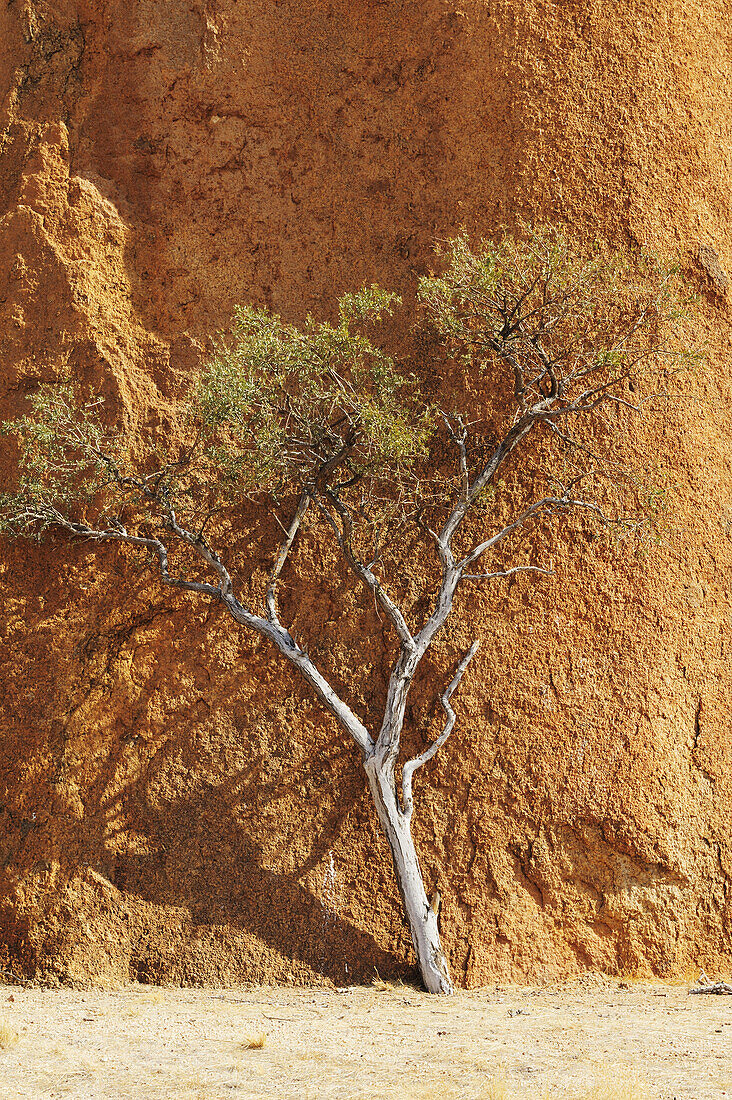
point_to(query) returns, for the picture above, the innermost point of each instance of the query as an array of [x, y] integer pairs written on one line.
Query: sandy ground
[[600, 1040]]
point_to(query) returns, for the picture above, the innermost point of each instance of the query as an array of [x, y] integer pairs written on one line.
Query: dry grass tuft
[[620, 1083], [8, 1035], [256, 1042], [398, 986], [496, 1088], [628, 1089]]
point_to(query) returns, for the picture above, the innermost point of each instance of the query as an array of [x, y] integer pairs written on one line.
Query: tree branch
[[545, 504], [204, 551], [343, 533], [461, 444], [271, 597], [507, 573], [297, 656], [417, 762], [510, 441], [282, 639], [120, 534], [158, 495]]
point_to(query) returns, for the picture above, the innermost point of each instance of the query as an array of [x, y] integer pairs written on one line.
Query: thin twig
[[271, 597], [508, 573]]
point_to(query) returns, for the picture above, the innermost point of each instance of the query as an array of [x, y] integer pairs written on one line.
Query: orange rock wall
[[173, 805]]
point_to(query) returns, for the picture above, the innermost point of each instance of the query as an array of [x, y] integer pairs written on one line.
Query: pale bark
[[421, 916]]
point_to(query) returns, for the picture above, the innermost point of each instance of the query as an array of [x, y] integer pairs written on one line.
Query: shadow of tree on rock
[[238, 920]]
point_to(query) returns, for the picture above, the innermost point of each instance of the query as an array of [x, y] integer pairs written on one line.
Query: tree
[[320, 423]]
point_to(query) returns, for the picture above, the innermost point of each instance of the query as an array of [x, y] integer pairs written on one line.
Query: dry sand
[[597, 1039]]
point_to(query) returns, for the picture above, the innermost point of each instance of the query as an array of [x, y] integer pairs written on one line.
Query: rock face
[[173, 805]]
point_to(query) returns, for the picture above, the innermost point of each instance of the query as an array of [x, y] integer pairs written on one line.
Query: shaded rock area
[[174, 807]]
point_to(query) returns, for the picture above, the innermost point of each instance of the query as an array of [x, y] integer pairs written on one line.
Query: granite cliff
[[163, 160]]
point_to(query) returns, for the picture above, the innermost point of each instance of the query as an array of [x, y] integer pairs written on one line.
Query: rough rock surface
[[173, 805]]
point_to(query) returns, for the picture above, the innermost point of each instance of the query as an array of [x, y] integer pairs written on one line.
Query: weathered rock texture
[[162, 160]]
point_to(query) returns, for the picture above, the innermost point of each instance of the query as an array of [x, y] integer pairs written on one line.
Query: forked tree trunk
[[422, 918], [395, 820]]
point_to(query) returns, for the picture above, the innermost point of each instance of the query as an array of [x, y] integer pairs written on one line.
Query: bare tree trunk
[[422, 917]]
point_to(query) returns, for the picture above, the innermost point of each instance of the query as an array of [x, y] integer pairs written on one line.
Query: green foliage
[[64, 455], [322, 408], [279, 407], [563, 323], [276, 409]]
